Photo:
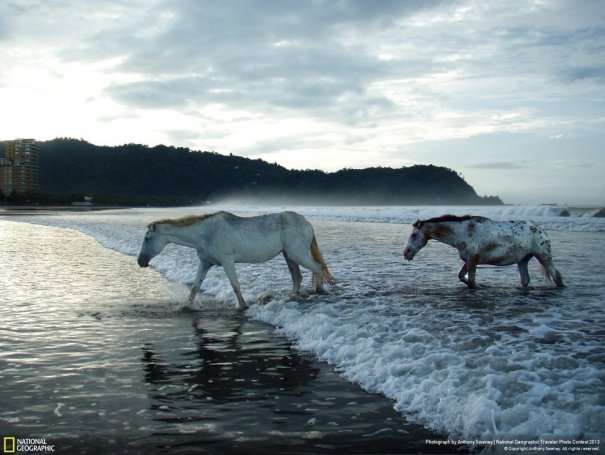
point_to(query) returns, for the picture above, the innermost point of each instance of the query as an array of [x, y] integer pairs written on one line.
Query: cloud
[[256, 54], [153, 94], [182, 136], [593, 72], [499, 165], [335, 60]]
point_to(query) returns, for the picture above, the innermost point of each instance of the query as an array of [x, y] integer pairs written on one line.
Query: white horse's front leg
[[202, 270], [230, 271]]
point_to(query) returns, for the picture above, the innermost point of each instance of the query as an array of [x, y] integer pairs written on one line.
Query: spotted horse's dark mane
[[448, 218]]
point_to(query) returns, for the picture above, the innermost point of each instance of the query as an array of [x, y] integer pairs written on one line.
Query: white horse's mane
[[186, 220]]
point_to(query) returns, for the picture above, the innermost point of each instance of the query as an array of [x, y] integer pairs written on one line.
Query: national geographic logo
[[26, 445]]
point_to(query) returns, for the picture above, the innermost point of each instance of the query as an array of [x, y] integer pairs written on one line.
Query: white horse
[[225, 239], [480, 240]]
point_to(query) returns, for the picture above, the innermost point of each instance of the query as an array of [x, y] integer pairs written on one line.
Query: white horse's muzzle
[[143, 260]]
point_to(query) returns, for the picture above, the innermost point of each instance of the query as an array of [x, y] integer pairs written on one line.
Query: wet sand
[[258, 395]]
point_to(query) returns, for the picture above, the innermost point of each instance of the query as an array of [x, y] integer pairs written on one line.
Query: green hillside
[[137, 174]]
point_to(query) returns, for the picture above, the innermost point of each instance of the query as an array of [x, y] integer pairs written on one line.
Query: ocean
[[94, 345]]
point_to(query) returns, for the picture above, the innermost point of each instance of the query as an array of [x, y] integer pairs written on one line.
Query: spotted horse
[[480, 240]]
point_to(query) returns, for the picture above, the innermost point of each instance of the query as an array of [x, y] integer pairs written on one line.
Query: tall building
[[19, 166]]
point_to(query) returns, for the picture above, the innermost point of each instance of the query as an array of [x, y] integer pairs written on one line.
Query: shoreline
[[29, 210]]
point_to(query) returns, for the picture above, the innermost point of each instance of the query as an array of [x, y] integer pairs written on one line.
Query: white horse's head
[[153, 244], [417, 240]]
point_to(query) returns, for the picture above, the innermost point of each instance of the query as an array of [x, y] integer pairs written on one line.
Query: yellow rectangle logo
[[9, 444]]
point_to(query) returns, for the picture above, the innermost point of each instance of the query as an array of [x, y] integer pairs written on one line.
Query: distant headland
[[134, 174]]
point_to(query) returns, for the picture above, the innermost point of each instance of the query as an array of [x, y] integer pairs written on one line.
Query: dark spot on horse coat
[[471, 229], [441, 230], [490, 247]]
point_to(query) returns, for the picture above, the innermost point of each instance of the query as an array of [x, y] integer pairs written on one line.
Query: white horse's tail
[[316, 255]]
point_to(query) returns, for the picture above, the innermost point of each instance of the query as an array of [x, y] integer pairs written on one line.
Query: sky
[[510, 94]]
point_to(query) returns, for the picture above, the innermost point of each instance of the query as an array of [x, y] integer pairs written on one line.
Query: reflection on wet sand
[[232, 357], [245, 389]]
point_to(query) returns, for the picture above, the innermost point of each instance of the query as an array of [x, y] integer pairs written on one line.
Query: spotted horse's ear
[[418, 224]]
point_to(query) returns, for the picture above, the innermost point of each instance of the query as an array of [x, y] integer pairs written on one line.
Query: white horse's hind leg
[[296, 275], [298, 251], [318, 281], [230, 271], [307, 262]]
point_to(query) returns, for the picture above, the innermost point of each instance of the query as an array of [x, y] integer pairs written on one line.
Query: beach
[[397, 357], [100, 356]]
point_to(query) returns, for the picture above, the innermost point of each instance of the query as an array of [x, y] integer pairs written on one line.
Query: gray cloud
[[5, 28], [261, 54], [593, 72], [500, 165], [171, 93], [323, 56]]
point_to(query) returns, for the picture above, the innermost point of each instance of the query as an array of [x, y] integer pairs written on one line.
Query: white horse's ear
[[152, 227]]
